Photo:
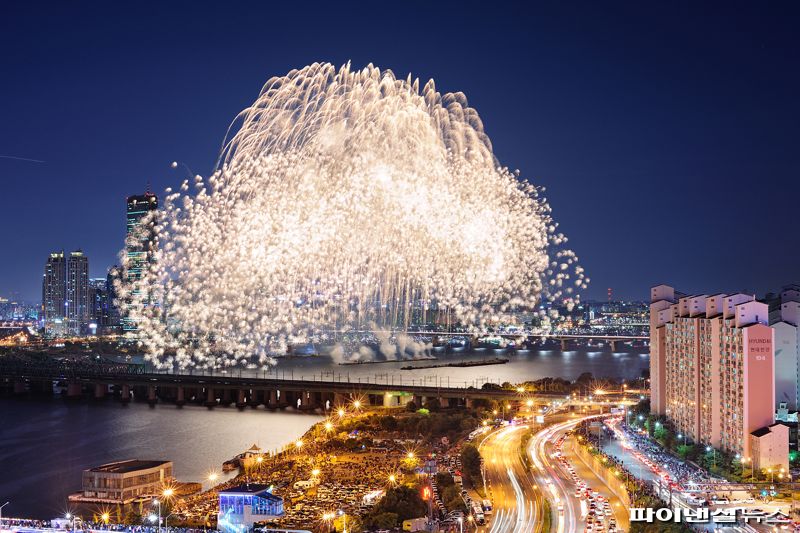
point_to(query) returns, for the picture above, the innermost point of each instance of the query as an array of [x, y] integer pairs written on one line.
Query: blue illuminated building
[[241, 507]]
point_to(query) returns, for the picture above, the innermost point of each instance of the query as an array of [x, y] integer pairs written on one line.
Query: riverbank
[[82, 435], [346, 463]]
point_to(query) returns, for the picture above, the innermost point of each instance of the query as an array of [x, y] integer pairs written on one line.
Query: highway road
[[516, 500], [569, 512]]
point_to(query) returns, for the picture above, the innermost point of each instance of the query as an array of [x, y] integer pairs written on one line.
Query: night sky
[[666, 134]]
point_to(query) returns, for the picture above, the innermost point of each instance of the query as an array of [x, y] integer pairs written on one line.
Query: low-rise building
[[125, 481], [245, 505], [769, 447]]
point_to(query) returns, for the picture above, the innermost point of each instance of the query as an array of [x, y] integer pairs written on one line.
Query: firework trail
[[342, 199]]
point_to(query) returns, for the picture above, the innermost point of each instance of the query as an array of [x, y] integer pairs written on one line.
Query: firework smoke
[[345, 199]]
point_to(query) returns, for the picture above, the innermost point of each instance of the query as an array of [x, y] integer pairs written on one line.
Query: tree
[[132, 518], [471, 461], [382, 520], [403, 501], [433, 404]]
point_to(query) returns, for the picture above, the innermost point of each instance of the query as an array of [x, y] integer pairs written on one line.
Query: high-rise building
[[712, 368], [140, 246], [784, 318], [77, 302], [54, 287], [98, 305], [65, 294]]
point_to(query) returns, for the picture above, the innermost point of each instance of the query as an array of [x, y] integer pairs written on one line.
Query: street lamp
[[709, 449], [344, 520], [747, 460], [682, 436], [1, 512]]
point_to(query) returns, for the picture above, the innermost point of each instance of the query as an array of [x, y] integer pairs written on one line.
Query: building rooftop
[[131, 465], [251, 488], [766, 430]]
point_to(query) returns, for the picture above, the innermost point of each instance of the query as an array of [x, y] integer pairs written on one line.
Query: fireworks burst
[[345, 200]]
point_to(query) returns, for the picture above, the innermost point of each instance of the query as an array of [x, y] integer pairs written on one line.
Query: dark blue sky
[[666, 133]]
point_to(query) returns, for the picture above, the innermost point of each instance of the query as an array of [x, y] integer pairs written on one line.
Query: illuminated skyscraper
[[140, 246], [77, 302], [54, 286], [65, 294]]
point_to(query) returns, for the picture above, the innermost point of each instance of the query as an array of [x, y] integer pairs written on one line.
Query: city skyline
[[667, 134]]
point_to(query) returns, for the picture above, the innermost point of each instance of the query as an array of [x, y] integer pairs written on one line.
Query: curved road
[[516, 499], [561, 489]]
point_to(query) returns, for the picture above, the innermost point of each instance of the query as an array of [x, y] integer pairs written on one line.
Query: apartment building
[[712, 370]]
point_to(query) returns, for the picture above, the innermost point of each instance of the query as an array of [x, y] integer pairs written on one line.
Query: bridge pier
[[100, 391], [180, 396], [444, 403], [152, 399], [241, 399], [20, 387], [306, 401], [563, 345], [272, 401], [339, 400], [613, 345], [125, 393], [211, 398], [390, 401], [74, 390]]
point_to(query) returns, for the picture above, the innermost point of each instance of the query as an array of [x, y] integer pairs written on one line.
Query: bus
[[487, 506], [477, 512]]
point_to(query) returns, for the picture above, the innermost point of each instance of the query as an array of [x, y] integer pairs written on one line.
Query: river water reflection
[[46, 443]]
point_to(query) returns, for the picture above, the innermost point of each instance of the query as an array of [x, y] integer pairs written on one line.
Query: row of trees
[[715, 461]]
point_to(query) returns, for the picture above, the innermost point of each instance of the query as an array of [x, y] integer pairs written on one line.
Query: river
[[45, 444]]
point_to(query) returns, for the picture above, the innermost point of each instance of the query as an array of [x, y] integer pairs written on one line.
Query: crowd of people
[[681, 472], [321, 477], [23, 524]]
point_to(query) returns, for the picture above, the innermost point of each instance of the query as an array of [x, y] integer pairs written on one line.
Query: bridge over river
[[19, 375]]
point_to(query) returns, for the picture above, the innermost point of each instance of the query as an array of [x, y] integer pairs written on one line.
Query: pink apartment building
[[712, 370]]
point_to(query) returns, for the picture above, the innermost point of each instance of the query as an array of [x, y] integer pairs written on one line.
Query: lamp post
[[714, 456], [157, 503], [1, 512], [344, 520]]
